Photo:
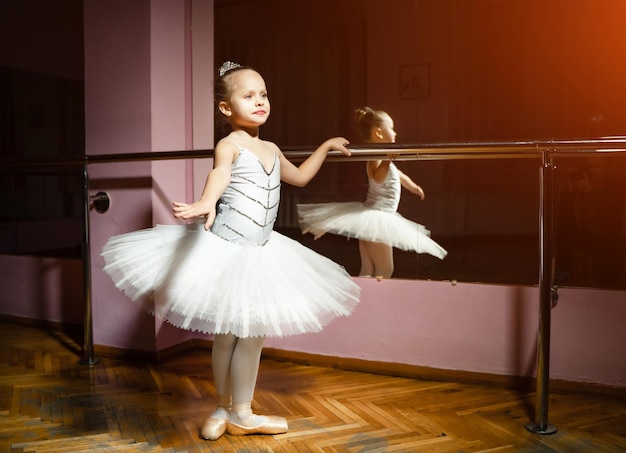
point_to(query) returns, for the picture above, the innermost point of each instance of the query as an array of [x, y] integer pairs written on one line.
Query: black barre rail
[[545, 150]]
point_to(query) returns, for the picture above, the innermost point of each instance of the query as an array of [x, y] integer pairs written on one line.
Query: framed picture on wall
[[414, 81]]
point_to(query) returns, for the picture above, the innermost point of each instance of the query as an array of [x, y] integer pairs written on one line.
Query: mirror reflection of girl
[[231, 275], [375, 222]]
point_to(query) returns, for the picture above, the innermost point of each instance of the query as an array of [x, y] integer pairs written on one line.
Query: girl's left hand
[[420, 192], [197, 209]]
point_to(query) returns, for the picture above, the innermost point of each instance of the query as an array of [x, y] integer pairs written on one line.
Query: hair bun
[[361, 112]]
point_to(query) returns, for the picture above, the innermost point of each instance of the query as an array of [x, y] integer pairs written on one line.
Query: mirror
[[447, 71], [590, 220]]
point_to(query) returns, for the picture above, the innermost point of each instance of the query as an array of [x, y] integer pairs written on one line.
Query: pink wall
[[118, 120], [175, 91], [142, 95], [463, 327], [480, 328], [137, 99], [41, 288]]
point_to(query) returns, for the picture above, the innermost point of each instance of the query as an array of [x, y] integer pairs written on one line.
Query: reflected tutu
[[355, 220]]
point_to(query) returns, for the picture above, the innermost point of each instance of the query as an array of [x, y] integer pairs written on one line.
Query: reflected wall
[[590, 214], [446, 70]]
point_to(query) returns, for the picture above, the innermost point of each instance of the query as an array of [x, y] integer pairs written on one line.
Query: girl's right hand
[[338, 144]]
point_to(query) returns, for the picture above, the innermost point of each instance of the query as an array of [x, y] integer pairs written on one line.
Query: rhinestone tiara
[[228, 66]]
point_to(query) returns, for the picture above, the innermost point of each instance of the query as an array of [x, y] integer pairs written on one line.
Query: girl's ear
[[224, 108], [378, 133]]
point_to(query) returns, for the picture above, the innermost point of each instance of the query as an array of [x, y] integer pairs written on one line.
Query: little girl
[[376, 222], [234, 276]]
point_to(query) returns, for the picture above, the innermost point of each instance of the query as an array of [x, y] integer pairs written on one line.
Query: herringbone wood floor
[[50, 403]]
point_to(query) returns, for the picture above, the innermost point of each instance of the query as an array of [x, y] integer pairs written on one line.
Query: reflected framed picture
[[414, 81]]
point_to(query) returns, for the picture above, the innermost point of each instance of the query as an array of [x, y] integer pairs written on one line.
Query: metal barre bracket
[[101, 202]]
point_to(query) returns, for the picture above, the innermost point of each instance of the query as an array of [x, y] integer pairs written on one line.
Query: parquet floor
[[50, 403]]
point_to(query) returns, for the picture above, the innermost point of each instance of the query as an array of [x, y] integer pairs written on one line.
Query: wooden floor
[[50, 403]]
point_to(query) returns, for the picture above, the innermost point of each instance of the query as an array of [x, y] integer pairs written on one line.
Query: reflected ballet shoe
[[271, 425], [213, 428]]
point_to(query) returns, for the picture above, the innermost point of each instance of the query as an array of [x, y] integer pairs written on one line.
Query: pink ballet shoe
[[265, 424], [213, 428], [272, 425]]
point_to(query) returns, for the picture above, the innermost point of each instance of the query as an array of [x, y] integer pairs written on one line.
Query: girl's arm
[[216, 183], [410, 185], [301, 175]]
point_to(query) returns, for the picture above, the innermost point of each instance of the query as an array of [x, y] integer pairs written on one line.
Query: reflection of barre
[[287, 214]]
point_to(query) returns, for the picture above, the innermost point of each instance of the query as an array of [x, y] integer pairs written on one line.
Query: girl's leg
[[367, 265], [244, 367], [244, 371], [381, 257], [222, 356], [222, 353]]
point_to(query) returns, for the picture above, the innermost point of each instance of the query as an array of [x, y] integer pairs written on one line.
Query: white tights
[[235, 368], [376, 259]]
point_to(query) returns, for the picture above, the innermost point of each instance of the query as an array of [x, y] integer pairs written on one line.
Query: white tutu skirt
[[197, 281], [355, 220]]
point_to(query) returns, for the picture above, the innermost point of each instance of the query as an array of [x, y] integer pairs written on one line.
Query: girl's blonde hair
[[367, 118], [222, 86]]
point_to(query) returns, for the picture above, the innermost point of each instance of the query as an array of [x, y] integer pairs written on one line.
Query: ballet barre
[[545, 150]]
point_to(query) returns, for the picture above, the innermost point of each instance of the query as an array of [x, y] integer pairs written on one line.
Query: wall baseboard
[[524, 383]]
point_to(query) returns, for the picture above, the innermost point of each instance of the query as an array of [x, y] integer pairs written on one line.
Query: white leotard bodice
[[248, 208], [385, 196]]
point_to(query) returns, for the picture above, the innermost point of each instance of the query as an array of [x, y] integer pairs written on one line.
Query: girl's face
[[386, 133], [248, 105]]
